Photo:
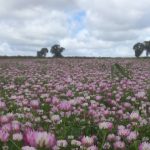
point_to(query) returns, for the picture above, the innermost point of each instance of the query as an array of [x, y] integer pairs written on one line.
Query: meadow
[[74, 104]]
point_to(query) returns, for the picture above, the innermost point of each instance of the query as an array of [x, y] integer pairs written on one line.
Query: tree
[[42, 52], [56, 50], [140, 47]]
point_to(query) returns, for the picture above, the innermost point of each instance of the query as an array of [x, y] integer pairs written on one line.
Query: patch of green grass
[[19, 80]]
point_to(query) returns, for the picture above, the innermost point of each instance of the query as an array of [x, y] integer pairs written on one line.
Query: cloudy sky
[[84, 27]]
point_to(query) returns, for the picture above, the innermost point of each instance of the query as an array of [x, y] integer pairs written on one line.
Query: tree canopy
[[56, 50], [42, 52]]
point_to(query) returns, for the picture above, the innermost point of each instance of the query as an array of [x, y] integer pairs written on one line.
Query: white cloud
[[106, 28]]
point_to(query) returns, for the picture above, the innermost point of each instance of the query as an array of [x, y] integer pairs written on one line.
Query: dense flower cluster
[[74, 104]]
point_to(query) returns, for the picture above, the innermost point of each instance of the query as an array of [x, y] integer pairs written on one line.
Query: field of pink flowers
[[74, 104]]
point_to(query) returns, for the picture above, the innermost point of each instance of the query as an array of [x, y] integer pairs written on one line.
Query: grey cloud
[[16, 5], [109, 28]]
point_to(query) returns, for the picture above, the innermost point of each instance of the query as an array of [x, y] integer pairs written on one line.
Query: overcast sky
[[84, 27]]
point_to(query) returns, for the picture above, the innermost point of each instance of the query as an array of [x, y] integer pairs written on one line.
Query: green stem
[[18, 148], [103, 141], [135, 145]]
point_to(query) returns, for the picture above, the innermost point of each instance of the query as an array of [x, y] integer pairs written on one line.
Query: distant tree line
[[56, 50]]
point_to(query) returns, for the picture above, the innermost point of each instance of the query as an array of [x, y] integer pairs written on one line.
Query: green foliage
[[72, 126], [46, 107], [77, 128], [148, 94], [4, 93], [19, 80], [134, 145], [127, 93], [118, 71], [4, 79], [12, 108], [21, 67], [144, 131]]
